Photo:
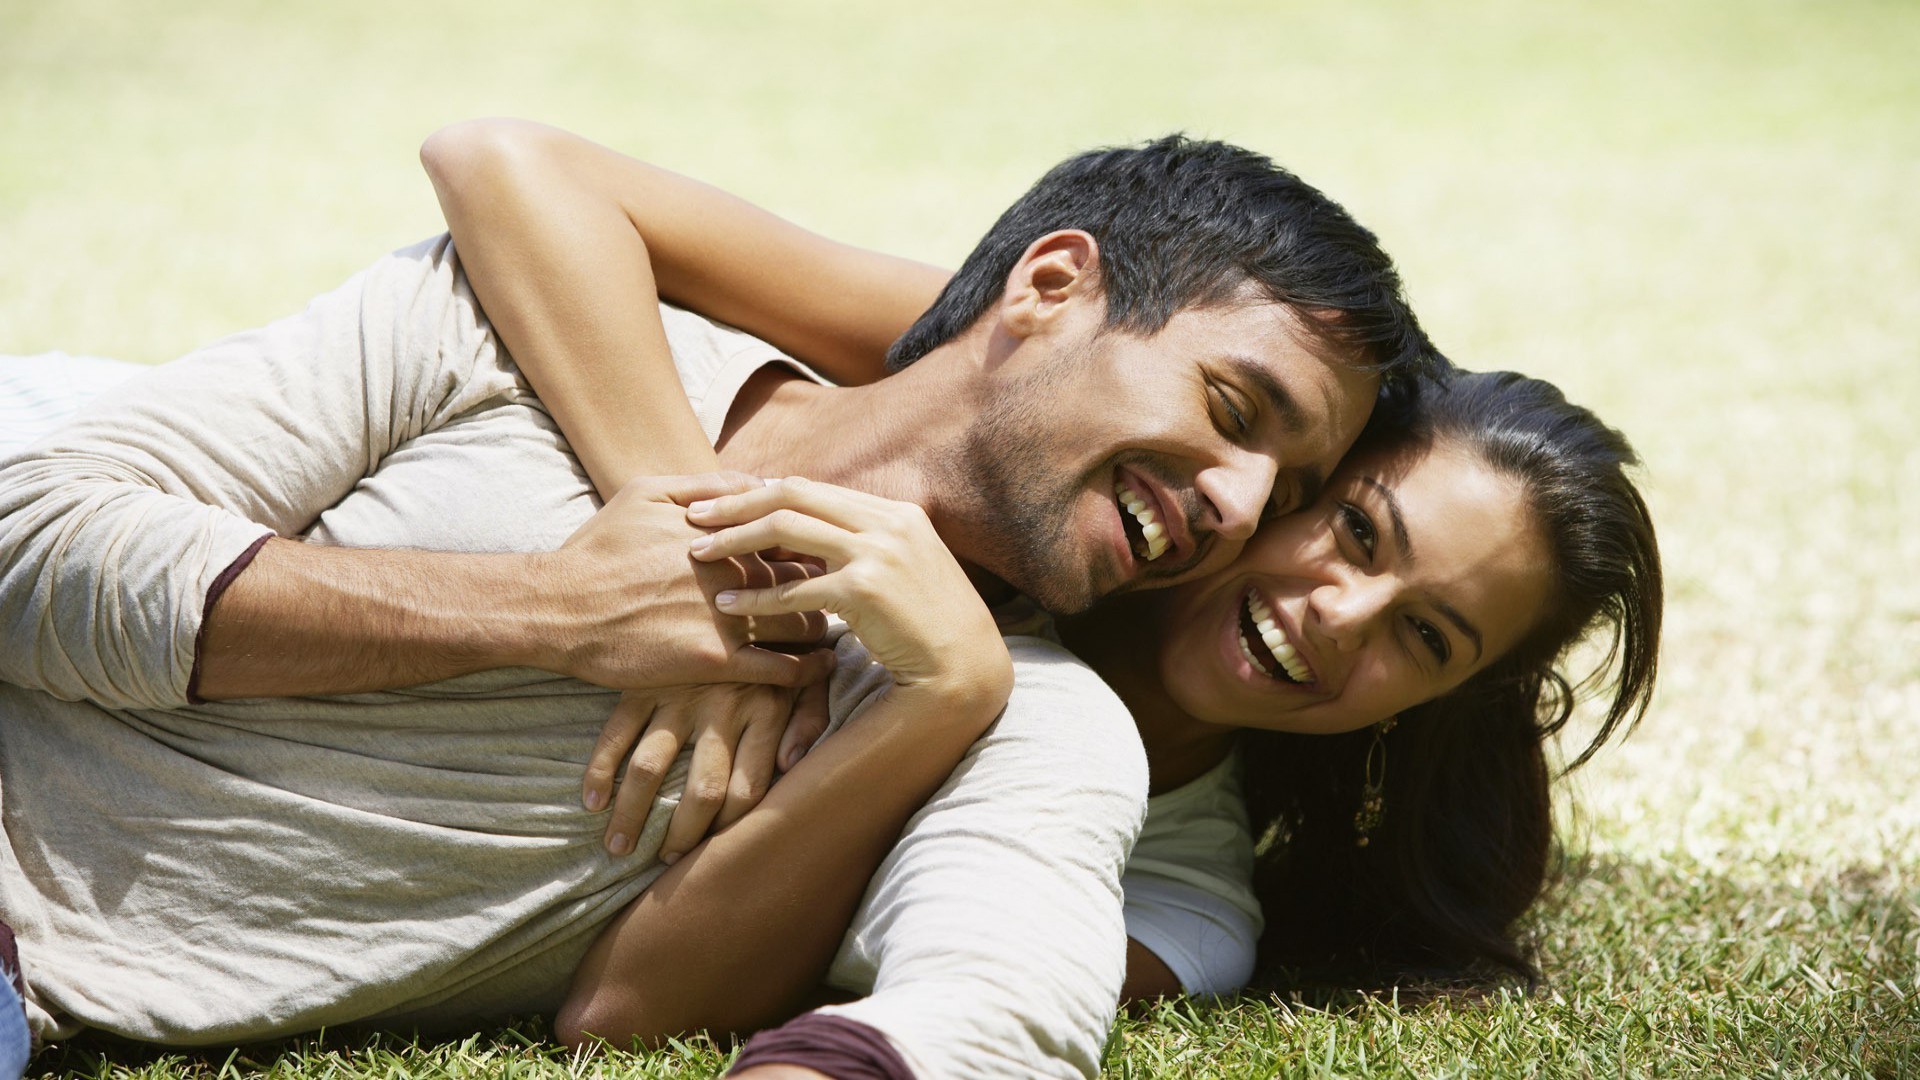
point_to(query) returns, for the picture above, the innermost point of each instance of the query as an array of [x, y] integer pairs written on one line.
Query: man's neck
[[876, 438], [886, 438]]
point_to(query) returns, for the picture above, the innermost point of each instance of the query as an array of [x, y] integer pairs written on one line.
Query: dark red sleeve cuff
[[206, 612], [843, 1049]]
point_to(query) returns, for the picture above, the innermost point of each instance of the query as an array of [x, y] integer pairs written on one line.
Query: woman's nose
[[1346, 610]]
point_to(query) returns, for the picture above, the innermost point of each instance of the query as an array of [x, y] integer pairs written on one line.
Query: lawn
[[1699, 218]]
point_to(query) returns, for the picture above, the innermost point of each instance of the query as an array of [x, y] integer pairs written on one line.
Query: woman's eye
[[1236, 420], [1433, 639], [1358, 526]]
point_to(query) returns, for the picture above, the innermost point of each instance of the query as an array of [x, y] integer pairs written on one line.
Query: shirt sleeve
[[114, 528], [1189, 883], [991, 938]]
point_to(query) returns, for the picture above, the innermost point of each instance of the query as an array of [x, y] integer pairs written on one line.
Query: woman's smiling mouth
[[1266, 646]]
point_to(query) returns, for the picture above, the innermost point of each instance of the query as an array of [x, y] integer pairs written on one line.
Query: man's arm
[[116, 532]]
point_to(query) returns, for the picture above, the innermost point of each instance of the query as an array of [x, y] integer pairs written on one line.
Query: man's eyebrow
[[1276, 395]]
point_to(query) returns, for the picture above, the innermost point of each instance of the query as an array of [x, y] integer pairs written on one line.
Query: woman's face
[[1415, 569]]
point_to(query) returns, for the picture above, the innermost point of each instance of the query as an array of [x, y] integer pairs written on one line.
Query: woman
[[1453, 838]]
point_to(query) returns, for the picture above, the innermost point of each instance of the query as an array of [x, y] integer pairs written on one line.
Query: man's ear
[[1059, 269]]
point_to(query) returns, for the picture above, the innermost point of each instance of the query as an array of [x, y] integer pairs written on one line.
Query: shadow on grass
[[1651, 967], [524, 1048]]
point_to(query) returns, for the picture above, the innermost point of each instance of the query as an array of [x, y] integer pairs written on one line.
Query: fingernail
[[699, 506], [617, 843], [726, 599], [700, 544], [669, 857], [595, 800]]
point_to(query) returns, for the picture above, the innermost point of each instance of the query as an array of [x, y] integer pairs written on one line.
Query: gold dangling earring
[[1373, 789]]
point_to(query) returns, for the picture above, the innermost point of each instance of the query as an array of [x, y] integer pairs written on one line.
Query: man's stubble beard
[[1019, 496]]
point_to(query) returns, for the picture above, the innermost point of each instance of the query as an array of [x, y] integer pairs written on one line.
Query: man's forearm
[[306, 619]]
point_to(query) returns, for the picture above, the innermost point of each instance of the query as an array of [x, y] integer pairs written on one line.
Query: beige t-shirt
[[239, 870]]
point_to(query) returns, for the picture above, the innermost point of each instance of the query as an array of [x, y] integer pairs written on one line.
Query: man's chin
[[1062, 592]]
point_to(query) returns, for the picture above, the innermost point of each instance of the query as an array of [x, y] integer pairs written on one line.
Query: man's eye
[[1236, 420], [1433, 639], [1358, 526]]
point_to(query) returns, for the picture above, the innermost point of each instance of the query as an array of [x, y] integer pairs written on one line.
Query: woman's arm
[[568, 245], [738, 933], [1148, 976]]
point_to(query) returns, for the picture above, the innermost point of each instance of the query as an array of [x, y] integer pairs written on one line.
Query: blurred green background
[[1699, 218]]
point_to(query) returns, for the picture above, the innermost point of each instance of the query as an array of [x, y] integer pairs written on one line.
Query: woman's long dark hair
[[1464, 848]]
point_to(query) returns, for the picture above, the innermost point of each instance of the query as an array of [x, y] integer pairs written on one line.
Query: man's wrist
[[310, 619], [533, 624]]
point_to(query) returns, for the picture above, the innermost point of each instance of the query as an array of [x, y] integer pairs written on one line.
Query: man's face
[[1105, 462]]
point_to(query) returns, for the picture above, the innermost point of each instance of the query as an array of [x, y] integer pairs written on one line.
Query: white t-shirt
[[1189, 883]]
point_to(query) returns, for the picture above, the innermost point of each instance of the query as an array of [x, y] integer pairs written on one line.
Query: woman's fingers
[[783, 527], [811, 595], [798, 628], [646, 769], [610, 751], [836, 505], [753, 763], [704, 794], [700, 486], [805, 725]]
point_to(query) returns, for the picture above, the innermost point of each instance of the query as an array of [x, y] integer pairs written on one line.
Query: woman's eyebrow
[[1404, 542], [1400, 538], [1460, 623]]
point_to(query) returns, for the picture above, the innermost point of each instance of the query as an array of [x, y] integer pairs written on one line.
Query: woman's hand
[[741, 735], [750, 919], [638, 614], [887, 574]]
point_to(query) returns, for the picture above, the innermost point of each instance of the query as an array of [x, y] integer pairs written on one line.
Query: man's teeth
[[1150, 527], [1276, 641]]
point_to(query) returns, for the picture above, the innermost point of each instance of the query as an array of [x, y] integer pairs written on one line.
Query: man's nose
[[1235, 494]]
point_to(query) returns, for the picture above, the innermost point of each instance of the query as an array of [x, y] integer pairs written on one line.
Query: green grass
[[1698, 217]]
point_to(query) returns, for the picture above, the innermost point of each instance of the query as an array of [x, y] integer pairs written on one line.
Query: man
[[1087, 343]]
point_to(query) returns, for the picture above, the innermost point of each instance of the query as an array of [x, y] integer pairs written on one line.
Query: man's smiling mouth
[[1265, 645], [1145, 533]]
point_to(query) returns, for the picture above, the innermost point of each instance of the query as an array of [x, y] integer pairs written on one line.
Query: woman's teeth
[[1275, 639], [1153, 542]]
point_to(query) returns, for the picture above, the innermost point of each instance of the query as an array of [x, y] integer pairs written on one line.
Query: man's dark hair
[[1184, 223]]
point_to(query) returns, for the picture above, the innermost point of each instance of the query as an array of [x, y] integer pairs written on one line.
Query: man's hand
[[638, 613], [738, 732]]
